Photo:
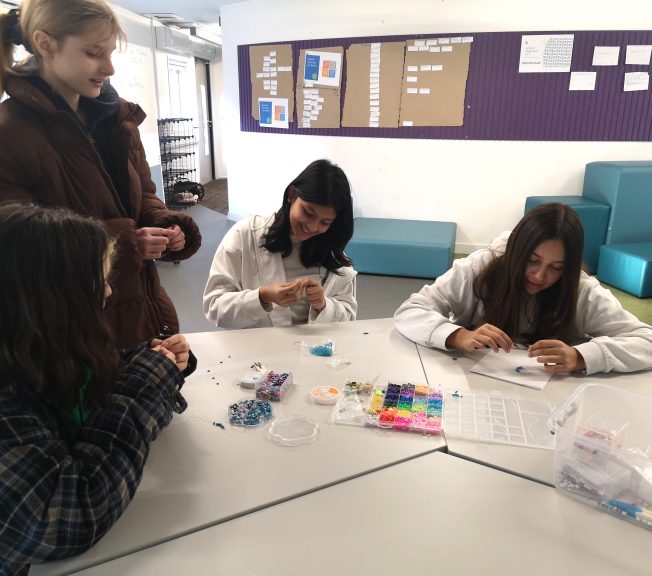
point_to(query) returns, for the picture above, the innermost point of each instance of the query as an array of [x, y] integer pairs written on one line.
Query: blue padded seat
[[627, 188], [627, 267], [594, 217], [418, 248]]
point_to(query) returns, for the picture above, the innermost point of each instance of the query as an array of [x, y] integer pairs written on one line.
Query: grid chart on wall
[[501, 103]]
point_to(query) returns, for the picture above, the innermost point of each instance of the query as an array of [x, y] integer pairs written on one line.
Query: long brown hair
[[58, 18], [53, 329], [501, 285]]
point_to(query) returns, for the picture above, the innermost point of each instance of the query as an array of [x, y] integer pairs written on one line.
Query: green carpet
[[640, 307]]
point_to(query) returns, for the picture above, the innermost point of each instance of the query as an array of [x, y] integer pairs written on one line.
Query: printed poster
[[273, 112], [323, 68]]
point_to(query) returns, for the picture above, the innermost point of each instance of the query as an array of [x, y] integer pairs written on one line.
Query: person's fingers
[[165, 352], [501, 339], [487, 340]]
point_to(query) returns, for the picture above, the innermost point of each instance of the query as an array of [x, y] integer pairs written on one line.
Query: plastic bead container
[[497, 418], [274, 385], [408, 407], [602, 451], [250, 413], [325, 394], [294, 431]]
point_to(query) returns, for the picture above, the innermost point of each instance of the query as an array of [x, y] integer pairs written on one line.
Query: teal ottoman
[[418, 248], [594, 217], [627, 267], [627, 188]]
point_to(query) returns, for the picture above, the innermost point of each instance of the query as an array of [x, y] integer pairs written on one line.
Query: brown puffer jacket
[[47, 158]]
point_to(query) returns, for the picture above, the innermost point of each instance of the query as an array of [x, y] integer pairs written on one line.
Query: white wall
[[480, 185]]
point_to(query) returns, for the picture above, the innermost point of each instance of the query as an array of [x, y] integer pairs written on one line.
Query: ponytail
[[11, 35]]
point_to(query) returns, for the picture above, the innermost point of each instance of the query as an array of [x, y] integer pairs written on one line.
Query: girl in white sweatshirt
[[289, 267], [528, 287]]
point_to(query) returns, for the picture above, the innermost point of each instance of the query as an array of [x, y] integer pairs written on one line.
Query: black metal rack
[[178, 162]]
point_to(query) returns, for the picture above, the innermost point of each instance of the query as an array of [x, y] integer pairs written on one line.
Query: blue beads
[[322, 349], [250, 412]]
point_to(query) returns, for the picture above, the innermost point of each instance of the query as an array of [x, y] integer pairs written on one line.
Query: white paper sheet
[[606, 55], [636, 81], [546, 53], [582, 81], [638, 55], [503, 366]]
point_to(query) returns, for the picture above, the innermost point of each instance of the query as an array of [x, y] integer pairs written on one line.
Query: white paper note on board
[[582, 81], [636, 81], [606, 55], [638, 55], [546, 53]]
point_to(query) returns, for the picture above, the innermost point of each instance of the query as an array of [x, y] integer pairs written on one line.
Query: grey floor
[[378, 296]]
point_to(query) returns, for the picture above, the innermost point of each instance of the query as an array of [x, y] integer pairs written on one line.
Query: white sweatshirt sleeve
[[227, 302], [619, 341], [438, 310]]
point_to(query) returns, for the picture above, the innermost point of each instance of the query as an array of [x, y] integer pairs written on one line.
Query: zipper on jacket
[[98, 159]]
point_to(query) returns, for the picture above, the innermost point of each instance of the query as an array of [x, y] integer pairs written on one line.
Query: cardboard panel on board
[[434, 82], [271, 75], [374, 74], [318, 97]]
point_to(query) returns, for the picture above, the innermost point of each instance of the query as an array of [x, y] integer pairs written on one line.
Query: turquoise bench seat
[[627, 267], [594, 217], [392, 247], [627, 188]]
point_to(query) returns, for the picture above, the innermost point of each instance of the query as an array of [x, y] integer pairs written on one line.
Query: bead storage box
[[405, 406], [250, 413], [497, 418], [603, 451], [273, 386]]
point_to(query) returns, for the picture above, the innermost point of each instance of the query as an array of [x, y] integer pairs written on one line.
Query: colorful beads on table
[[325, 349], [405, 407], [250, 412], [274, 385], [361, 388]]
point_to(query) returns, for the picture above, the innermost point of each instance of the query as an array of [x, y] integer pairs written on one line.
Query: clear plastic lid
[[294, 431]]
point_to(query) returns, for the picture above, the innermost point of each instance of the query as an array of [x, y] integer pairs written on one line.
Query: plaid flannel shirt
[[57, 500]]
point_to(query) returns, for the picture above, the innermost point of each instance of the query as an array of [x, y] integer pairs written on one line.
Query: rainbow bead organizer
[[407, 407]]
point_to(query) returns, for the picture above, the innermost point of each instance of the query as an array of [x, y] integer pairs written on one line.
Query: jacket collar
[[34, 92]]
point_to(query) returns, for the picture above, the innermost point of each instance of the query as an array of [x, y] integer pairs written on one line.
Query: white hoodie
[[618, 340], [241, 267]]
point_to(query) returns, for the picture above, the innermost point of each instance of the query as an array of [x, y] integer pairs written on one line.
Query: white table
[[198, 475], [436, 514], [451, 371]]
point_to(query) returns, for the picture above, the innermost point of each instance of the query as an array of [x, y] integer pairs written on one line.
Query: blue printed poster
[[312, 67], [273, 112], [323, 68]]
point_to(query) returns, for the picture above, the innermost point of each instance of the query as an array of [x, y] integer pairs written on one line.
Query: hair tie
[[12, 32]]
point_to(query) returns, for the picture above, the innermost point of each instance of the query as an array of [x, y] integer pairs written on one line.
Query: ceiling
[[204, 11]]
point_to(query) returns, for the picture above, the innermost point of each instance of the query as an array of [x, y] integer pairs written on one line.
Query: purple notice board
[[502, 104]]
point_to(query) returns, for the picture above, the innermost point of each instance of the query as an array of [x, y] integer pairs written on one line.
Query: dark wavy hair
[[51, 303], [323, 183], [501, 285]]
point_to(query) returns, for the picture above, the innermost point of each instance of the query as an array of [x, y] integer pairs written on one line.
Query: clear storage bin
[[602, 450]]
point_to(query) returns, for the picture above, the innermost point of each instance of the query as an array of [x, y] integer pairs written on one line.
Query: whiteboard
[[134, 81]]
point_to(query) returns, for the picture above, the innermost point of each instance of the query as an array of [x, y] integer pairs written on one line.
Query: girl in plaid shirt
[[76, 416]]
